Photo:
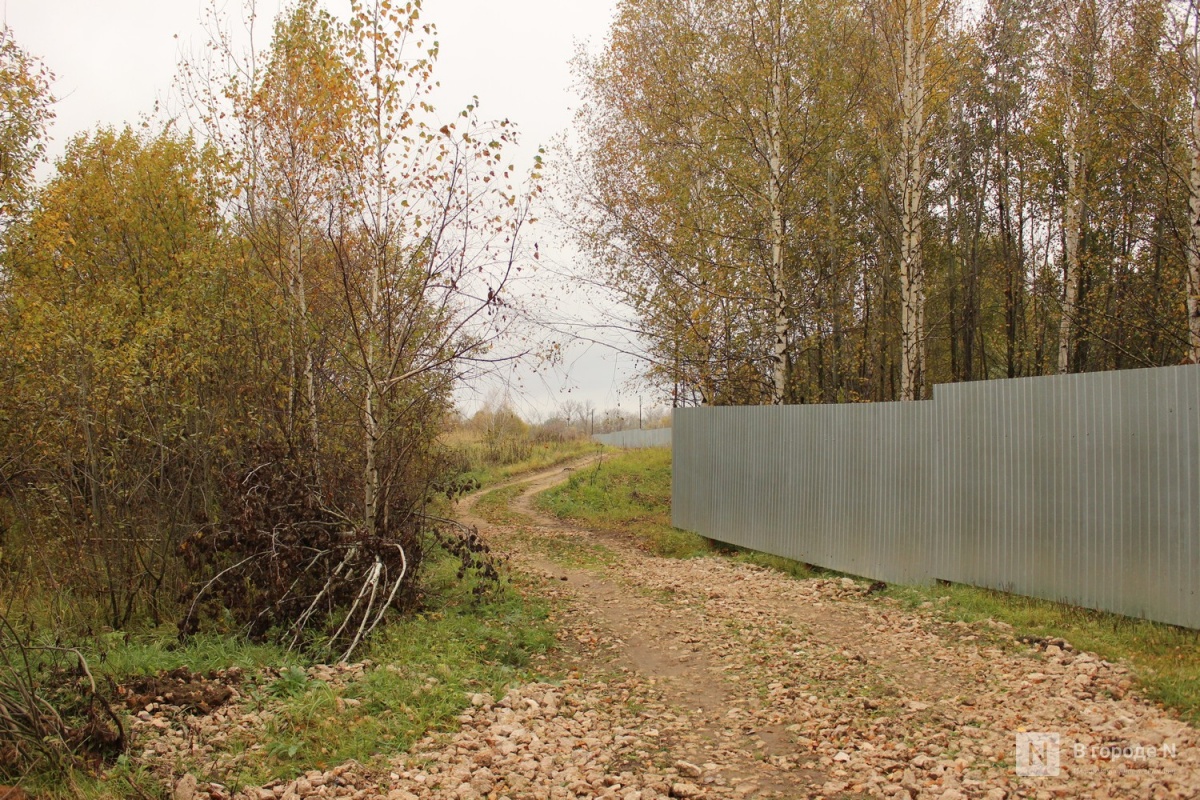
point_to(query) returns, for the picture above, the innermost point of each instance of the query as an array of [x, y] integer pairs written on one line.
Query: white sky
[[114, 58]]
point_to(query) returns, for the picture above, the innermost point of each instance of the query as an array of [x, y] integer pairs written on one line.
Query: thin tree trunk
[[1193, 253], [912, 176], [373, 401], [299, 292], [1072, 222], [779, 376]]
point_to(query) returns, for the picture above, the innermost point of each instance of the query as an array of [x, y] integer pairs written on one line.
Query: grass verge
[[495, 506], [543, 456], [425, 667], [1164, 658], [628, 493]]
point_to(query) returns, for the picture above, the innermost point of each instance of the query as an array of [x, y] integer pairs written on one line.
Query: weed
[[291, 682]]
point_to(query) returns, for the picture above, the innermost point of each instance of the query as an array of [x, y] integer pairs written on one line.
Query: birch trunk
[[912, 178], [775, 200], [374, 400], [1193, 253], [1072, 224], [308, 371], [372, 404], [310, 380]]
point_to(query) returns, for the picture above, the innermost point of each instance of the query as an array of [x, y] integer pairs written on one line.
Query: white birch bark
[[775, 201], [1193, 253], [310, 380], [1072, 224], [371, 410], [914, 45], [373, 400]]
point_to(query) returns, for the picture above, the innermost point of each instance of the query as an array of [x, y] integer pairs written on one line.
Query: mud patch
[[182, 689]]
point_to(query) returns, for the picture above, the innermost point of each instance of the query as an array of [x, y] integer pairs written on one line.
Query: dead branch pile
[[52, 717], [286, 566]]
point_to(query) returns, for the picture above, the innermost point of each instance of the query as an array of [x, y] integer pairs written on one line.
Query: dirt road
[[738, 681]]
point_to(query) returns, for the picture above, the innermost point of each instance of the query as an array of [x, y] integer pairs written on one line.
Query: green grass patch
[[122, 657], [796, 569], [541, 456], [425, 669], [495, 506], [568, 550], [628, 493], [1164, 658]]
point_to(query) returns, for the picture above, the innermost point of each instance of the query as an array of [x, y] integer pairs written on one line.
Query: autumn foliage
[[227, 350]]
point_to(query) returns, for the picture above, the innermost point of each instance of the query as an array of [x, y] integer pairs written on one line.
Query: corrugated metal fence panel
[[650, 437], [844, 487], [1081, 488]]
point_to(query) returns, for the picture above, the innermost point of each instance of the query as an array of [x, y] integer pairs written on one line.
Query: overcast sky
[[114, 58]]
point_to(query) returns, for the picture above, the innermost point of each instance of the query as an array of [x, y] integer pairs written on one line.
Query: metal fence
[[1079, 488], [651, 437]]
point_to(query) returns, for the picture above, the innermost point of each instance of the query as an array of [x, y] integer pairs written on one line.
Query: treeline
[[833, 200], [227, 351]]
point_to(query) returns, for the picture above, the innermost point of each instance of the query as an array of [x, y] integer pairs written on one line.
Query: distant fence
[[1079, 488], [651, 437]]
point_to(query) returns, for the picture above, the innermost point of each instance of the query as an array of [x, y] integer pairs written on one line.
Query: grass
[[537, 457], [1164, 658], [568, 551], [495, 506], [629, 493], [120, 657], [796, 569], [426, 667]]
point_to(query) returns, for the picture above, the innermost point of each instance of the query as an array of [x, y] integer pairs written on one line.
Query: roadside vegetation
[[630, 494], [495, 444], [626, 493], [1165, 658], [228, 357], [69, 683], [470, 636], [473, 628]]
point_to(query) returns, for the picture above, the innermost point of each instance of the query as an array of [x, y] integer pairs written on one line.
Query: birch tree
[[1187, 40], [909, 31], [425, 250], [26, 109], [1077, 52], [748, 111], [1003, 205]]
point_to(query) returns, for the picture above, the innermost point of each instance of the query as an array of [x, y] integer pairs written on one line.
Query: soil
[[181, 689]]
